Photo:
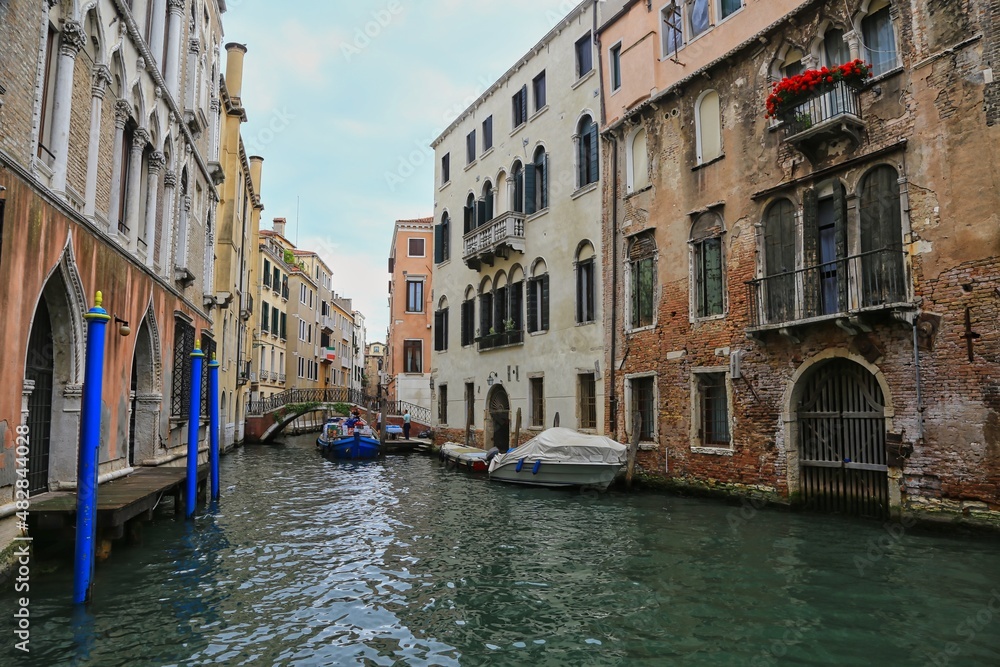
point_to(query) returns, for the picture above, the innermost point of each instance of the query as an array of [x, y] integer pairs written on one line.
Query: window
[[779, 261], [488, 133], [486, 324], [180, 388], [470, 147], [712, 410], [469, 213], [642, 393], [538, 304], [537, 402], [642, 270], [468, 322], [637, 162], [536, 183], [445, 168], [441, 328], [835, 50], [615, 64], [587, 396], [413, 351], [443, 404], [706, 247], [275, 316], [209, 348], [517, 179], [470, 403], [519, 104], [586, 152], [265, 316], [584, 55], [671, 31], [48, 92], [697, 16], [442, 240], [415, 247], [414, 296], [793, 65], [730, 7], [267, 273], [586, 290], [276, 285], [879, 38], [709, 120], [538, 87], [882, 277], [487, 203]]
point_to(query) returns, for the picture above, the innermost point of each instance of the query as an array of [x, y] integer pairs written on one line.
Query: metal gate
[[39, 368], [500, 414], [842, 458]]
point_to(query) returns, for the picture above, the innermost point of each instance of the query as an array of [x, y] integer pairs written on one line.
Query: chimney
[[279, 226], [256, 164], [234, 70]]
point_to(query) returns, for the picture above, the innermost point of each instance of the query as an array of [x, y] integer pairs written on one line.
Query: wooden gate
[[40, 369], [841, 419]]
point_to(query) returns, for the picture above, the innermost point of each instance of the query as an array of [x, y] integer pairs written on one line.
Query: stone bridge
[[268, 417]]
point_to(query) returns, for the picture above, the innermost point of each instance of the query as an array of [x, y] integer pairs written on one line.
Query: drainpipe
[[920, 400]]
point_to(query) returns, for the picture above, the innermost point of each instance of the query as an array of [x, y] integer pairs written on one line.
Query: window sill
[[714, 451], [648, 327], [874, 81], [709, 318], [413, 312], [517, 129], [470, 165], [702, 165], [589, 187], [649, 446], [537, 214], [538, 112], [583, 79], [538, 333], [585, 324], [486, 152], [442, 187], [634, 193]]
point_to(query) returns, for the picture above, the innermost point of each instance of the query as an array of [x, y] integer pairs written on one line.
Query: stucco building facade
[[408, 348], [804, 307]]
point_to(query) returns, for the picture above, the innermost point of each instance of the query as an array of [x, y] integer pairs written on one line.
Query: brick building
[[806, 306]]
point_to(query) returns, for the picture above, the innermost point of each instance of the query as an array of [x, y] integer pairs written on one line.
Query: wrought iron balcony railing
[[496, 238], [502, 339], [833, 111], [870, 281]]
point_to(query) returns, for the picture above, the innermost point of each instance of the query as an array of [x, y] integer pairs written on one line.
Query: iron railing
[[867, 281], [337, 395], [502, 339], [828, 102], [281, 378]]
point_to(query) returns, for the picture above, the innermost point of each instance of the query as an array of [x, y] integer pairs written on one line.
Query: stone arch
[[90, 17], [496, 427], [146, 394]]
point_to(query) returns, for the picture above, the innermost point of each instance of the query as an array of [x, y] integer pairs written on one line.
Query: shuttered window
[[516, 306], [538, 84], [584, 55], [470, 147], [518, 175], [284, 325], [488, 133], [445, 168], [586, 292], [779, 261], [468, 322], [275, 320], [265, 316], [538, 304], [443, 403], [519, 107], [267, 273], [485, 313], [441, 330], [587, 169], [642, 267]]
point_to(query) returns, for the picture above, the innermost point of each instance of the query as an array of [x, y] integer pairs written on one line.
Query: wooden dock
[[118, 501]]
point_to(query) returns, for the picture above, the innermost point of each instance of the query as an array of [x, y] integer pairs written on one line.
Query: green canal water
[[308, 562]]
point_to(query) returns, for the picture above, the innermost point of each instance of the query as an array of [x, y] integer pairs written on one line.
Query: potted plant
[[508, 324], [792, 91]]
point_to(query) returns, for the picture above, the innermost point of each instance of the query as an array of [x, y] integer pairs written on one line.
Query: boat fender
[[491, 454], [520, 464], [534, 468]]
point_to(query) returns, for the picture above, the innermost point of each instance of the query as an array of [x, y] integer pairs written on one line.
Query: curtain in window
[[673, 35], [880, 41], [709, 127], [698, 12], [411, 356]]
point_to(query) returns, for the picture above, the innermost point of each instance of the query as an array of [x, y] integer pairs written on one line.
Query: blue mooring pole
[[213, 423], [194, 422], [90, 442]]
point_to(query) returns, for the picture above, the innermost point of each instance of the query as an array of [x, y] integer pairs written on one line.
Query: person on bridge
[[406, 425]]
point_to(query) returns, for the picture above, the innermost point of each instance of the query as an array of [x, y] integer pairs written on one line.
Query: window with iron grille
[[642, 268], [208, 347], [588, 400], [470, 403], [587, 153], [644, 402], [713, 410], [537, 401], [180, 389]]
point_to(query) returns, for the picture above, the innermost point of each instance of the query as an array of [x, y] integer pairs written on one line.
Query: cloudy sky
[[343, 100]]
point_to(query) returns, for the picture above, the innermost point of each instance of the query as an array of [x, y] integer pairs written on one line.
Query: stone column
[[853, 44], [154, 166], [169, 183], [172, 73], [133, 185], [122, 112], [101, 79], [180, 257], [73, 39], [157, 30], [191, 94]]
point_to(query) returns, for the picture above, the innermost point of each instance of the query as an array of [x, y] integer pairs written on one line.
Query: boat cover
[[564, 445]]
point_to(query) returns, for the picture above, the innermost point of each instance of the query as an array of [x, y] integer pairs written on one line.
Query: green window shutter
[[529, 189], [545, 303], [468, 218], [516, 299], [593, 175], [519, 191], [438, 245], [545, 180], [465, 323], [444, 329], [265, 316], [524, 103], [284, 323], [481, 218], [532, 305], [582, 153], [712, 253], [840, 230], [489, 207]]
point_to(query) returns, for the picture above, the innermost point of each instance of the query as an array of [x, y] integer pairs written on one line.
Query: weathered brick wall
[[79, 126], [20, 29]]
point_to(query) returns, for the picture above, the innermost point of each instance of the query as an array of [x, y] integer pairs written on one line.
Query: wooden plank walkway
[[118, 500]]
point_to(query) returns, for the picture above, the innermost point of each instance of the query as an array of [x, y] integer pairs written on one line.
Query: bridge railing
[[265, 406]]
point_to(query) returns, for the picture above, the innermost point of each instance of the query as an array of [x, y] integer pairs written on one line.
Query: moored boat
[[561, 457], [351, 439], [472, 459]]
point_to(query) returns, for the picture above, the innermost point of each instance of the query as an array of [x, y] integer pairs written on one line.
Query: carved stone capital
[[176, 7], [101, 76], [187, 203], [170, 179], [73, 39], [194, 45], [122, 112], [156, 162], [140, 139]]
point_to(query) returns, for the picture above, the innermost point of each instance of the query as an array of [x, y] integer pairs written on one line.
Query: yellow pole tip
[[213, 357], [98, 299], [197, 346]]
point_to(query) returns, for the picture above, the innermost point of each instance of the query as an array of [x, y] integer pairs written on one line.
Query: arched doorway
[[39, 369], [840, 413], [145, 398], [499, 407]]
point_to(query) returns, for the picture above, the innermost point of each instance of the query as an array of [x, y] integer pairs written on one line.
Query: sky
[[344, 99]]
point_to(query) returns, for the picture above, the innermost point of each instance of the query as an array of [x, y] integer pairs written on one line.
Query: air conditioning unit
[[736, 364]]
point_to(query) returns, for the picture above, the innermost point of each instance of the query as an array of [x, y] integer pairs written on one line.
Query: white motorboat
[[561, 457]]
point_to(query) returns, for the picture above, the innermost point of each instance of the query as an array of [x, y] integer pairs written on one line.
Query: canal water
[[401, 561]]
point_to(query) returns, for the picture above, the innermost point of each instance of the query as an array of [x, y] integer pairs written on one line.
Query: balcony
[[328, 323], [497, 238], [502, 339], [281, 378], [833, 112], [246, 307], [849, 291], [265, 376]]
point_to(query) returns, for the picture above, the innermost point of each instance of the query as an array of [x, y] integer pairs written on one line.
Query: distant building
[[275, 260], [374, 369], [358, 379], [409, 343]]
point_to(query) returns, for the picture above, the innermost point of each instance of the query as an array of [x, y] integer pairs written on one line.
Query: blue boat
[[347, 440]]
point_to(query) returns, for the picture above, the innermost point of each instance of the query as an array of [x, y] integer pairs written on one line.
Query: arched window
[[586, 152], [637, 162], [442, 239], [793, 65], [517, 187], [538, 297], [706, 248], [536, 183], [586, 284], [779, 261], [488, 202], [709, 121], [441, 325], [835, 49], [469, 213], [642, 275], [881, 238], [879, 37], [501, 303], [515, 297], [486, 307]]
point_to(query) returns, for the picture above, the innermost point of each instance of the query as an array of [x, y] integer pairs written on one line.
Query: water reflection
[[308, 562]]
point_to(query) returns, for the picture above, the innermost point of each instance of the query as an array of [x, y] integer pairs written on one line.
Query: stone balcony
[[497, 238]]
